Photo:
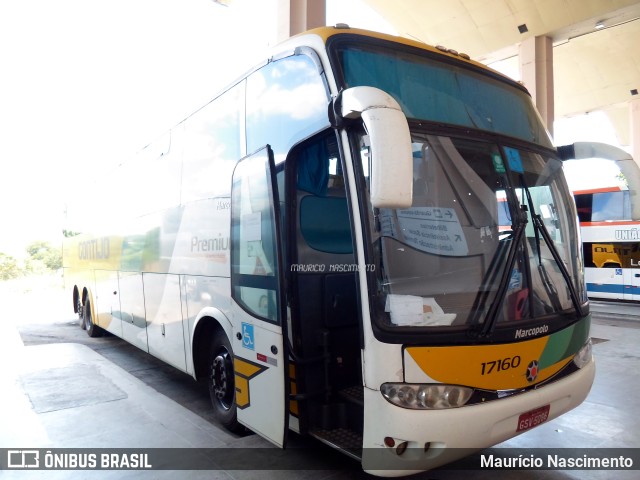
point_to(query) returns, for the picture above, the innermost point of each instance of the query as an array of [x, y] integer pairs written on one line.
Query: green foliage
[[42, 258], [9, 268], [40, 251], [620, 176], [69, 233]]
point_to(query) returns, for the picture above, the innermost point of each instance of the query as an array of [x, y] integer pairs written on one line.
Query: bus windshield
[[428, 89], [489, 225]]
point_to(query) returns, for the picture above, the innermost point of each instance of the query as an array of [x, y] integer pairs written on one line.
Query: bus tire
[[81, 321], [78, 309], [221, 380], [93, 330]]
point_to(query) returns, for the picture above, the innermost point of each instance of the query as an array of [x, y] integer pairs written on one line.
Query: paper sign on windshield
[[429, 229]]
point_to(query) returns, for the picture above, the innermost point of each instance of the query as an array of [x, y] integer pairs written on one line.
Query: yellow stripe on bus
[[491, 367]]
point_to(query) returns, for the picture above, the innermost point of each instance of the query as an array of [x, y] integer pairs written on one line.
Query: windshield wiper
[[538, 225], [541, 229], [503, 286]]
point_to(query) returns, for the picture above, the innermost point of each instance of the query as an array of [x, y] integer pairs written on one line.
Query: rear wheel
[[93, 330], [78, 308], [221, 379]]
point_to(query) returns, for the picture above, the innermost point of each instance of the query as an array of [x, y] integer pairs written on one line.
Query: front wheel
[[221, 380]]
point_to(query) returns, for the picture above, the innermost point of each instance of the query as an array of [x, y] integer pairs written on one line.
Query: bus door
[[132, 309], [631, 271], [257, 293], [631, 284]]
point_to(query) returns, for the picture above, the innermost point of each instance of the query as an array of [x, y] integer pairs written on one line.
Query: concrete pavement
[[69, 396]]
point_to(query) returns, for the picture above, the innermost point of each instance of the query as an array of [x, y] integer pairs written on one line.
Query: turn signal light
[[584, 356]]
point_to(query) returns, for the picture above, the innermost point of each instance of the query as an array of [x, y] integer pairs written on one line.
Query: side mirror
[[391, 150], [624, 161]]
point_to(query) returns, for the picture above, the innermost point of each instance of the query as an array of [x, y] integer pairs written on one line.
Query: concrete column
[[297, 16], [536, 71], [634, 129]]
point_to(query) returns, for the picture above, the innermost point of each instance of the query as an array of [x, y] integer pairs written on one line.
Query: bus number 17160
[[500, 365]]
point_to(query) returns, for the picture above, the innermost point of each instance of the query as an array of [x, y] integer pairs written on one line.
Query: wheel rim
[[222, 379]]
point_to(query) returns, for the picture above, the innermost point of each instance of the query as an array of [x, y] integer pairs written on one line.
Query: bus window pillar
[[297, 16], [536, 71], [634, 129]]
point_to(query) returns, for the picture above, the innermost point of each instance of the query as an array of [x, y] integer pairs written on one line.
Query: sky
[[86, 83]]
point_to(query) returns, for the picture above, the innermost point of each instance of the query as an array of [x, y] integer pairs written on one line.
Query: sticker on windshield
[[514, 159], [498, 164]]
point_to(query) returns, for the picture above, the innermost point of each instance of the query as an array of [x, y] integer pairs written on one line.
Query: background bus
[[611, 243]]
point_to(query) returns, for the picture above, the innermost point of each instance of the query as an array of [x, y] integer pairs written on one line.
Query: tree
[[42, 251], [69, 233], [620, 176], [8, 267]]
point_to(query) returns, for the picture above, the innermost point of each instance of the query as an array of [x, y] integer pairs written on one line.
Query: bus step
[[345, 440], [354, 394]]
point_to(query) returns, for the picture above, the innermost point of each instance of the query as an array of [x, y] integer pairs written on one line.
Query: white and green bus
[[321, 243]]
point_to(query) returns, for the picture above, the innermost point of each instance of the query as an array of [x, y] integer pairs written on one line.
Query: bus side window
[[608, 206], [286, 102], [324, 214], [212, 147], [254, 265]]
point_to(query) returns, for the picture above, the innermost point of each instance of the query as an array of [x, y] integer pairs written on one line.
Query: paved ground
[[62, 389]]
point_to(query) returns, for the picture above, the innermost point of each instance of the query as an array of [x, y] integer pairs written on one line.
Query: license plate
[[533, 418]]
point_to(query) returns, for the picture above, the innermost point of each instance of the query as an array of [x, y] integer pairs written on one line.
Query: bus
[[321, 244], [611, 243]]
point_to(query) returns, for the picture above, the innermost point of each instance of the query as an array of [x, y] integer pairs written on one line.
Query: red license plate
[[533, 418]]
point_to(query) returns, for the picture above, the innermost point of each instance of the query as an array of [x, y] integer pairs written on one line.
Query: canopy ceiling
[[594, 68]]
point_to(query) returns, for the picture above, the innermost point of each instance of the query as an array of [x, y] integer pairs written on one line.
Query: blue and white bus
[[610, 242]]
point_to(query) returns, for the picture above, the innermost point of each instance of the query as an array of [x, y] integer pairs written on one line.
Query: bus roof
[[597, 190], [341, 29]]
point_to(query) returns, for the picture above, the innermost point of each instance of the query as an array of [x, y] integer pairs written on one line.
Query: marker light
[[584, 356], [453, 52], [425, 396], [396, 445]]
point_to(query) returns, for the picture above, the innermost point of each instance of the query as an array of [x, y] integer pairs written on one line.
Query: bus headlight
[[583, 357], [425, 396]]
